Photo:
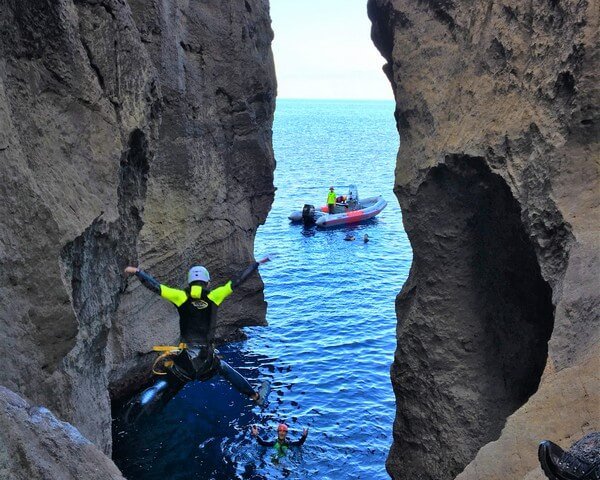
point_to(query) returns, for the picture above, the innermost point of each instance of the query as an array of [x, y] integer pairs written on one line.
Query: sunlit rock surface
[[498, 179], [131, 132], [34, 444]]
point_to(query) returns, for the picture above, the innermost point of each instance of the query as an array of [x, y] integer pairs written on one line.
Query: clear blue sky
[[323, 49]]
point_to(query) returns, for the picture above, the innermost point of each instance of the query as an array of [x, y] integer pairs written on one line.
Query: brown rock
[[498, 179], [563, 410]]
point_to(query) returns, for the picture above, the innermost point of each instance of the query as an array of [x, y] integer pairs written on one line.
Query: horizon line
[[337, 98]]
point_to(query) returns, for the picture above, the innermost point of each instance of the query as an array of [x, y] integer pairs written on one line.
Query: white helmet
[[198, 273]]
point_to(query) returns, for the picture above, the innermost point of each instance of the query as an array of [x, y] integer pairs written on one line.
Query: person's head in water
[[198, 275], [282, 430]]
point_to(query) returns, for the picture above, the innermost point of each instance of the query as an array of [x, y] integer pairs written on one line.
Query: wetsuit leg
[[153, 399], [235, 378]]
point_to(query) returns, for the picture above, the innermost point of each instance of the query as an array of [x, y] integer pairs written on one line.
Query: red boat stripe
[[355, 213]]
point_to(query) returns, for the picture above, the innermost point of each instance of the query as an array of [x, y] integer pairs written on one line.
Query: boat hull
[[370, 207]]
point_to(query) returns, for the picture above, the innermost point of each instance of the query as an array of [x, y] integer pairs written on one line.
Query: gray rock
[[130, 133], [498, 180], [34, 445]]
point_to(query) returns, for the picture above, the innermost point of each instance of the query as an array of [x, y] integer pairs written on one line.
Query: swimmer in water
[[281, 444]]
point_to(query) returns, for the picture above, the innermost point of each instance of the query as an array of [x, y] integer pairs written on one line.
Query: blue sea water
[[331, 334]]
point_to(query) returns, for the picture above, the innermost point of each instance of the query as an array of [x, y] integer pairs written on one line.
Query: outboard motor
[[308, 215]]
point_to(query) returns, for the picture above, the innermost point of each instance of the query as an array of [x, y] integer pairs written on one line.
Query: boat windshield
[[352, 194]]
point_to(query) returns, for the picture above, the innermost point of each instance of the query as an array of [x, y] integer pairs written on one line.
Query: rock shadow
[[475, 317]]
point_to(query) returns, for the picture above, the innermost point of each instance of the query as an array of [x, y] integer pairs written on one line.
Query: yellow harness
[[164, 360]]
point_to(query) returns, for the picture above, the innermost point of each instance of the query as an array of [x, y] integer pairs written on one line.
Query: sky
[[323, 49]]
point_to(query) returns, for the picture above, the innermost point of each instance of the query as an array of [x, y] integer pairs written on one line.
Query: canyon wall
[[498, 180], [35, 444], [131, 132]]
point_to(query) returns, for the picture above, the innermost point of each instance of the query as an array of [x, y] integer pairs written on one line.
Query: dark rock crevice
[[93, 265], [481, 317], [93, 65], [95, 260]]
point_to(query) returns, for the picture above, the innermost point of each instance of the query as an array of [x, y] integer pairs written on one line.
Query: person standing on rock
[[195, 358], [331, 199]]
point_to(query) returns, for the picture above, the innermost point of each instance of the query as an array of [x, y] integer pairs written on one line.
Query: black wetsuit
[[282, 446]]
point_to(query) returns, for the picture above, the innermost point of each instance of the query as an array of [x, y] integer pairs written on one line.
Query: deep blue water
[[331, 334]]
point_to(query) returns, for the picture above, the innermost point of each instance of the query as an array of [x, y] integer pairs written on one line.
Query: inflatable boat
[[349, 210]]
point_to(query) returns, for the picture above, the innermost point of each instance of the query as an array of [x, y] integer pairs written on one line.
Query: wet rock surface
[[130, 133], [498, 179], [34, 444]]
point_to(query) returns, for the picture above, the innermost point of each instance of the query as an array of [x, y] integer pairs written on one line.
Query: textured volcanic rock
[[498, 180], [35, 445], [131, 132], [211, 183]]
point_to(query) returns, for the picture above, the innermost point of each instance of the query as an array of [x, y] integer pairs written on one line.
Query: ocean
[[331, 335]]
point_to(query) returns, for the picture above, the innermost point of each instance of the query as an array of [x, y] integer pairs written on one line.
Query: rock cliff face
[[498, 180], [131, 132], [34, 444]]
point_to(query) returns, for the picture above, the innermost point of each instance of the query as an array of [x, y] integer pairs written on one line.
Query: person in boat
[[281, 444], [331, 196], [195, 358], [351, 200], [341, 201]]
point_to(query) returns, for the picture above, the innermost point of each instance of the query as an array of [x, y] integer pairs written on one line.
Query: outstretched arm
[[172, 294], [242, 277], [299, 443], [147, 280], [260, 440], [263, 442], [221, 293]]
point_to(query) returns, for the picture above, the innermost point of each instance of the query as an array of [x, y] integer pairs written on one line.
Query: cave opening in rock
[[475, 319]]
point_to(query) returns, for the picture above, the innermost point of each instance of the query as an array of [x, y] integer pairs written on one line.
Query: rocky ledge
[[35, 444], [498, 180]]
